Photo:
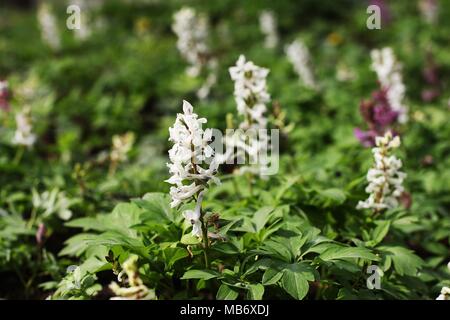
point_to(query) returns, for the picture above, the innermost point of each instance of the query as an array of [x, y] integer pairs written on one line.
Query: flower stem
[[19, 155], [205, 240]]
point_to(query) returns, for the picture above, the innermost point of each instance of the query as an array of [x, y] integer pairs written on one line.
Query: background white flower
[[24, 130], [268, 26], [192, 31], [48, 26], [298, 54], [250, 143], [388, 71]]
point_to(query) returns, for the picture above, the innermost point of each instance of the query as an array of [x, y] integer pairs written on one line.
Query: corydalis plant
[[24, 135], [298, 54], [268, 26], [48, 26], [192, 31], [388, 71], [251, 96], [135, 288], [121, 146], [192, 166], [385, 178], [250, 92]]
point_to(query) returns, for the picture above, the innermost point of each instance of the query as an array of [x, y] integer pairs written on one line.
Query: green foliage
[[296, 235]]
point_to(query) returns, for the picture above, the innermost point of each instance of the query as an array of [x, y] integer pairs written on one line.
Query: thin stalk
[[19, 155], [205, 239]]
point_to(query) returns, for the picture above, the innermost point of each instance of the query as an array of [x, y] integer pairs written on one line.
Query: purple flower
[[40, 234], [384, 10], [429, 95], [383, 115], [4, 95], [379, 117]]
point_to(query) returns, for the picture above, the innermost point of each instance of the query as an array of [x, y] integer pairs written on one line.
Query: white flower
[[136, 289], [52, 202], [251, 141], [192, 31], [250, 92], [84, 31], [268, 26], [445, 294], [49, 26], [24, 135], [122, 144], [389, 75], [3, 85], [193, 217], [190, 156], [385, 178], [298, 54]]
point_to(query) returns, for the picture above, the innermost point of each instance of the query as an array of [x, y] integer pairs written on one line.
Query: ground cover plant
[[111, 188]]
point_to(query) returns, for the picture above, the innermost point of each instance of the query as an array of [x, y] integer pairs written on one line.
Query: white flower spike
[[298, 54], [385, 178], [24, 132], [251, 96], [388, 71], [445, 294], [193, 164], [48, 26], [268, 26], [192, 31]]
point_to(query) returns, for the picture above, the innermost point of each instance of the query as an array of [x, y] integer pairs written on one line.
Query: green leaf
[[255, 291], [338, 252], [172, 255], [226, 293], [379, 232], [261, 217], [271, 276], [156, 207], [200, 274], [295, 284], [333, 196], [189, 239], [405, 261]]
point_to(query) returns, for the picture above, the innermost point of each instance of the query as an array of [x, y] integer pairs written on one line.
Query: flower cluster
[[51, 202], [136, 289], [268, 26], [49, 27], [379, 117], [4, 95], [121, 145], [250, 92], [385, 178], [445, 294], [389, 75], [298, 54], [190, 151], [192, 31], [251, 142], [24, 132]]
